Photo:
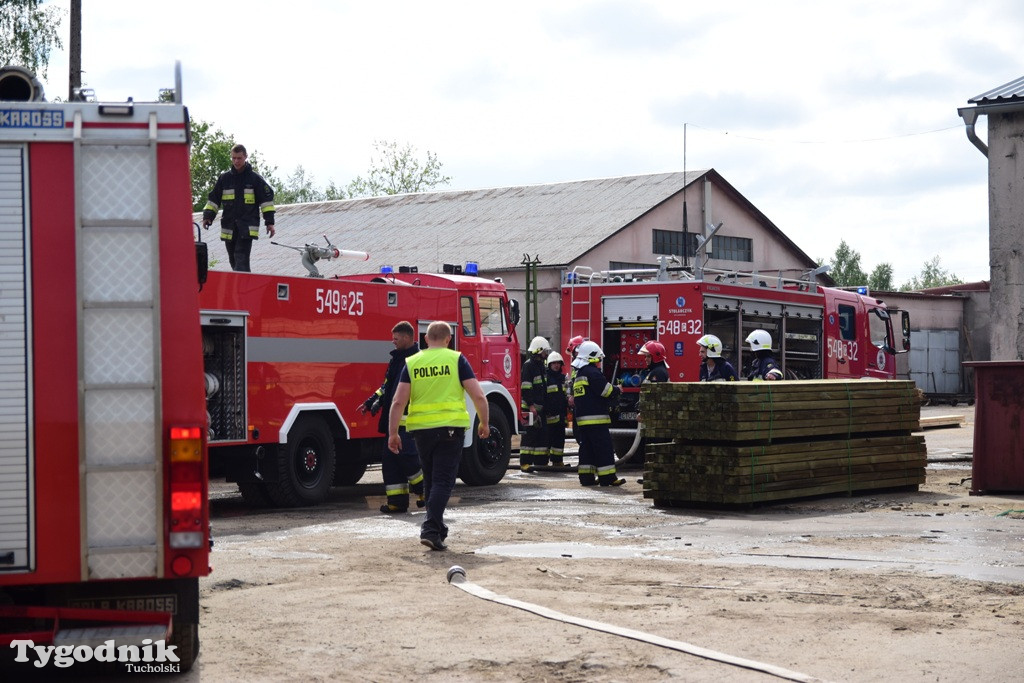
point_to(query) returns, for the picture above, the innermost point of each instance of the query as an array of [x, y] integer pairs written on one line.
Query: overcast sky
[[836, 119]]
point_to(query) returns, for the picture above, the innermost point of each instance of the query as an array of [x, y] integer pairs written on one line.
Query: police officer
[[555, 412], [713, 367], [401, 471], [657, 366], [764, 366], [593, 398], [432, 384], [532, 443], [244, 196]]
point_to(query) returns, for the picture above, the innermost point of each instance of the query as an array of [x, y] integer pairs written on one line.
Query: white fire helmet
[[759, 340], [713, 344], [538, 345], [555, 357], [588, 352]]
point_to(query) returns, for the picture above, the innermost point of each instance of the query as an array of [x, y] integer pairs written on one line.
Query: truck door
[[499, 355], [844, 351], [880, 362]]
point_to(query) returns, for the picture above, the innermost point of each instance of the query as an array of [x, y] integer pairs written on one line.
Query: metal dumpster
[[998, 427]]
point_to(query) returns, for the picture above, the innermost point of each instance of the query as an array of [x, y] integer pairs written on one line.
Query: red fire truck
[[290, 359], [103, 495], [817, 332]]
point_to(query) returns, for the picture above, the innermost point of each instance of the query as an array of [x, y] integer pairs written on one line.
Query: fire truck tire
[[255, 494], [186, 638], [486, 461], [305, 465], [348, 472]]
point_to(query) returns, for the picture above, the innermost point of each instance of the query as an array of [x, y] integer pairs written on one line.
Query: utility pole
[[75, 50]]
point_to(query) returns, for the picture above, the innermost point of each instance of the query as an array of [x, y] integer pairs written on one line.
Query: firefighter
[[434, 385], [402, 472], [764, 366], [555, 412], [532, 443], [713, 367], [657, 366], [593, 398], [570, 350], [244, 196]]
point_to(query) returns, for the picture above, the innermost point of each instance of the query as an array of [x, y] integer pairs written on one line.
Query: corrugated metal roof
[[1013, 90], [494, 227]]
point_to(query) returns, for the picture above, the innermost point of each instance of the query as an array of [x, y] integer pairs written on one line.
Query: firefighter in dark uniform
[[657, 366], [244, 196], [402, 472], [532, 442], [713, 367], [764, 365], [593, 397], [555, 412]]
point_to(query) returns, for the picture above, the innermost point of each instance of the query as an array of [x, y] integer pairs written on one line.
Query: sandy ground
[[922, 586]]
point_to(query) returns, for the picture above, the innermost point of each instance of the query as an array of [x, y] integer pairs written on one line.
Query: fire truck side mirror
[[514, 311]]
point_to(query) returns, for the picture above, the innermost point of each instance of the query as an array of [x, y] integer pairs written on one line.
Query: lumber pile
[[739, 443]]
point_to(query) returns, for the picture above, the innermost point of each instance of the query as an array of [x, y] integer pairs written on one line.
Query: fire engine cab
[[104, 524], [818, 332], [289, 360]]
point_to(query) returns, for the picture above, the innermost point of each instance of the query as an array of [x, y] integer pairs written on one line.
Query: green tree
[[299, 187], [28, 33], [846, 270], [932, 275], [881, 278], [396, 170]]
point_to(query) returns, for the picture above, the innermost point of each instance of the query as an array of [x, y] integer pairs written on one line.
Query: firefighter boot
[[416, 487], [587, 475], [525, 462], [610, 480]]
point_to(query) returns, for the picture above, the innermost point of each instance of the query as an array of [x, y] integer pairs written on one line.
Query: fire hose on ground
[[457, 577]]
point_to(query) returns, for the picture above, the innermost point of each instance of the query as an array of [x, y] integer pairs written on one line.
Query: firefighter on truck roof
[[532, 444], [593, 397], [244, 196]]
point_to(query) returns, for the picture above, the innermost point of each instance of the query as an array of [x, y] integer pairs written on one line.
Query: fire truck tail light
[[186, 488]]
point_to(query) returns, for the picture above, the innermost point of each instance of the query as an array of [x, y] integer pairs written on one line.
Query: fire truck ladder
[[580, 299], [120, 451]]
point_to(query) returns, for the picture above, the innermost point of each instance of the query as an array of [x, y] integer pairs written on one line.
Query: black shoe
[[433, 542], [588, 482], [392, 509], [613, 482], [421, 502]]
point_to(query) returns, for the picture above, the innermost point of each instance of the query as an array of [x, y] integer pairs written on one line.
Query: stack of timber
[[739, 443]]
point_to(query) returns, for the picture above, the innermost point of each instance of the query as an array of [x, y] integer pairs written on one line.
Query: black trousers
[[239, 247]]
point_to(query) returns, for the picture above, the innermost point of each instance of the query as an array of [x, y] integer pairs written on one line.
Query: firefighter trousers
[[402, 473], [554, 444], [597, 455], [533, 444]]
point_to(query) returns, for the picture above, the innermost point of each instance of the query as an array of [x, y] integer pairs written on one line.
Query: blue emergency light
[[386, 270], [471, 268]]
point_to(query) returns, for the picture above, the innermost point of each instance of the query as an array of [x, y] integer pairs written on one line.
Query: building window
[[722, 247], [628, 265], [732, 248]]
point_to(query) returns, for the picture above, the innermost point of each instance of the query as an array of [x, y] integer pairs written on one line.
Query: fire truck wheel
[[186, 638], [255, 494], [486, 461], [348, 472], [305, 465]]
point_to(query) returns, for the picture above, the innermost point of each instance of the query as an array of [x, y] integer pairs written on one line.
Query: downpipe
[[457, 577]]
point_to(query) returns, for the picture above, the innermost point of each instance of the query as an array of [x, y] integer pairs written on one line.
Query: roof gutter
[[970, 116]]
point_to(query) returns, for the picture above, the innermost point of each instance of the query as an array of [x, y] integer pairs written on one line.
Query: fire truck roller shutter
[[485, 461]]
